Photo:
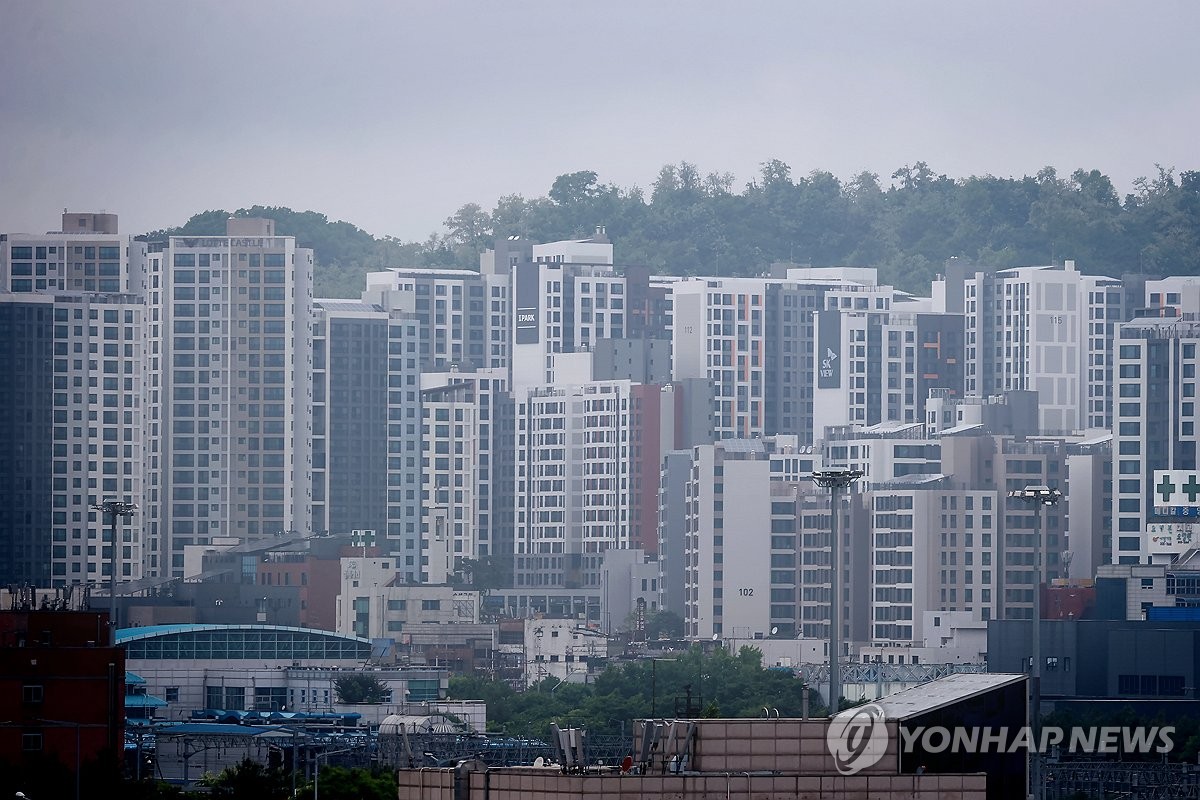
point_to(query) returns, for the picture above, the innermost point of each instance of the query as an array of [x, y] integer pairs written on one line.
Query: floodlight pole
[[1037, 496], [835, 480], [113, 508]]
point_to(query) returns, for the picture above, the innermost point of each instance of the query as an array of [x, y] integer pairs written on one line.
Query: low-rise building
[[262, 668], [562, 649], [62, 688]]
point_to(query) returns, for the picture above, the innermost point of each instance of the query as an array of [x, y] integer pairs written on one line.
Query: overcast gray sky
[[391, 115]]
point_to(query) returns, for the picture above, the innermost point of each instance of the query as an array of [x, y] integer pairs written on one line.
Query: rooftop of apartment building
[[1181, 326]]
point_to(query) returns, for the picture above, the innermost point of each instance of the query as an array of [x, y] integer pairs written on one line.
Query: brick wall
[[549, 784]]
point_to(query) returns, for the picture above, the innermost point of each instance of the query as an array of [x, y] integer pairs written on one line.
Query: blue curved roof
[[148, 631], [251, 642]]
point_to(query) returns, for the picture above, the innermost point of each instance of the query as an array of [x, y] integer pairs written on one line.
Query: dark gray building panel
[[1126, 659], [357, 439], [672, 503], [941, 353], [790, 365], [26, 442], [637, 360]]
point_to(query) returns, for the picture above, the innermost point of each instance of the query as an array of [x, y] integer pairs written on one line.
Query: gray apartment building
[[230, 390], [74, 303], [366, 426]]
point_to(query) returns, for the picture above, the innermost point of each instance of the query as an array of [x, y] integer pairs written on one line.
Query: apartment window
[[171, 695], [431, 605], [32, 693], [31, 742]]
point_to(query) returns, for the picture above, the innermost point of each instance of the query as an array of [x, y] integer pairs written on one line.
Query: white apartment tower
[[466, 472], [573, 495], [1156, 431], [1043, 329], [720, 334], [751, 534], [932, 549], [231, 392], [565, 297], [463, 314], [850, 371]]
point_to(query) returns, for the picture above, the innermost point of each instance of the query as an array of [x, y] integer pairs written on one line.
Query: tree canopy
[[361, 687], [695, 223], [727, 685]]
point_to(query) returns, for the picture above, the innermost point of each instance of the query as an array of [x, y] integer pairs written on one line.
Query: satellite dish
[[626, 763], [716, 636], [539, 761], [774, 629]]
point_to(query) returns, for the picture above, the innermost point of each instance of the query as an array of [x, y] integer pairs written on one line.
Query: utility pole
[[114, 509], [835, 480], [1037, 496]]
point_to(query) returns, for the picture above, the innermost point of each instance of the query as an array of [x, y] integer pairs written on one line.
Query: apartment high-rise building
[[81, 293], [231, 389], [748, 534], [790, 357], [27, 439], [467, 471], [87, 255], [573, 493], [101, 420], [720, 333], [932, 549], [1156, 363], [564, 300], [1043, 329], [755, 340], [366, 427], [1171, 297], [944, 533], [881, 353], [463, 314]]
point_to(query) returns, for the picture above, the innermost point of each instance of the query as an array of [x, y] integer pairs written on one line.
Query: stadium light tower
[[835, 480], [114, 509], [1038, 496]]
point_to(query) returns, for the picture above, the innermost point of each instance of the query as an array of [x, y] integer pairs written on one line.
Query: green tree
[[733, 685], [354, 783], [660, 624], [361, 687], [248, 780], [470, 227], [692, 223]]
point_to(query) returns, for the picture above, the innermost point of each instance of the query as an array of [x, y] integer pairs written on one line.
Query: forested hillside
[[692, 223]]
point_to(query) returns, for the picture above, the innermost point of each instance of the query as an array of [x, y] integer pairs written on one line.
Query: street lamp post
[[1036, 496], [114, 509], [835, 480]]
